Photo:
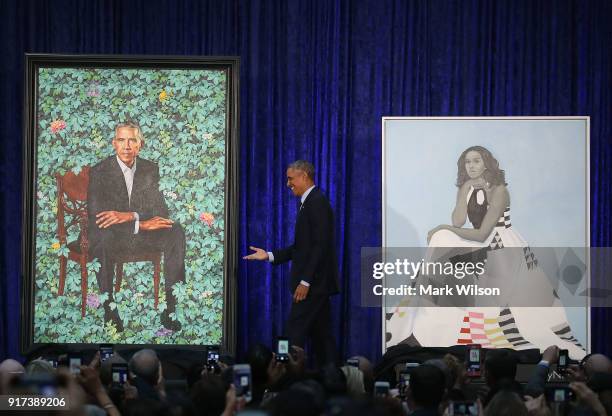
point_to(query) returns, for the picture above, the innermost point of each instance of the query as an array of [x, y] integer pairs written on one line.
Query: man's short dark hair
[[427, 385], [304, 166], [499, 365], [145, 365]]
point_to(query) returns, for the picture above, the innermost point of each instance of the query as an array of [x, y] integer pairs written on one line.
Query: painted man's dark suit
[[313, 256], [107, 192]]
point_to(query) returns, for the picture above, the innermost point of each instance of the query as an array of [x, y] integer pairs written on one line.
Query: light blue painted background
[[545, 164]]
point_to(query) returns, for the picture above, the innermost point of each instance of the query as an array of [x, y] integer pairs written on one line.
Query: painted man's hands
[[105, 219], [155, 223]]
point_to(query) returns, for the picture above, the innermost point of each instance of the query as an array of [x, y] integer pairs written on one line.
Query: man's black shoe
[[169, 323]]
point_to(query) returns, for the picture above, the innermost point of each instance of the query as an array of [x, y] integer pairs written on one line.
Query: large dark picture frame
[[188, 115]]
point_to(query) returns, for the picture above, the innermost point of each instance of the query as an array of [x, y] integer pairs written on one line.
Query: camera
[[74, 363], [563, 362], [473, 358], [467, 408], [106, 351], [119, 373], [212, 359], [282, 349], [381, 389], [242, 381], [559, 394]]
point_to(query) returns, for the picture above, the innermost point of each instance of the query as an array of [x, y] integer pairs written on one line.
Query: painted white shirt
[[128, 176]]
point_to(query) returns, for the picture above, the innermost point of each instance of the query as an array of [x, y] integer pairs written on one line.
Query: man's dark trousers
[[111, 243]]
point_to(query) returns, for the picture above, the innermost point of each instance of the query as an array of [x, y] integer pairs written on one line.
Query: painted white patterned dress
[[512, 270]]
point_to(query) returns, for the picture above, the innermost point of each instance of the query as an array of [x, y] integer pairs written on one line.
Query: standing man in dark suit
[[314, 272], [127, 214]]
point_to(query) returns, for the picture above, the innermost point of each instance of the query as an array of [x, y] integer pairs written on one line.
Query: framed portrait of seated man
[[130, 188]]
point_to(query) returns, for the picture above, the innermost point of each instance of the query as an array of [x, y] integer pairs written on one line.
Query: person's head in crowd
[[499, 365], [106, 374], [333, 380], [605, 397], [599, 382], [294, 402], [367, 369], [208, 395], [39, 366], [455, 366], [145, 407], [595, 363], [259, 357], [313, 388], [194, 374], [364, 406], [506, 403], [9, 370], [426, 388], [354, 381], [145, 366], [441, 364]]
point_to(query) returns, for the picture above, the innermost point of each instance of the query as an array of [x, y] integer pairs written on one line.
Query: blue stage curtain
[[316, 78]]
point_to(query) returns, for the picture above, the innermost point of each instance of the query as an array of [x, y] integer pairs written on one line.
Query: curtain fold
[[316, 77]]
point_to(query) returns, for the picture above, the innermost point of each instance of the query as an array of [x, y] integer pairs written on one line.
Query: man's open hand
[[300, 293], [260, 254], [105, 219], [155, 223]]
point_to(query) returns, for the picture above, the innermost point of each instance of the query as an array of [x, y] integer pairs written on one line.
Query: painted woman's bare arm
[[460, 212]]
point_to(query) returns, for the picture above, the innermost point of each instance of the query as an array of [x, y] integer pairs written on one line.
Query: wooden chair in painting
[[72, 212]]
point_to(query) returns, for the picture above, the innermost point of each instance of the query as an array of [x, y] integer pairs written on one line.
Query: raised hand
[[259, 254]]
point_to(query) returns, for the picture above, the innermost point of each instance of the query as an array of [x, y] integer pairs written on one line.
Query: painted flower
[[40, 195], [207, 294], [93, 300], [163, 96], [93, 91], [207, 217], [55, 246], [171, 194], [57, 126], [162, 332], [208, 136]]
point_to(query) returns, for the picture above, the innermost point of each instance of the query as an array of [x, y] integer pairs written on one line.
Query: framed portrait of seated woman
[[492, 215]]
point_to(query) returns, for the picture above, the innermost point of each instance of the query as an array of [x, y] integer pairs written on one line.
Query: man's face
[[127, 144], [297, 181]]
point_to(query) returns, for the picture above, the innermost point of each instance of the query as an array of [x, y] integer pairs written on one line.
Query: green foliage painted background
[[182, 114]]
